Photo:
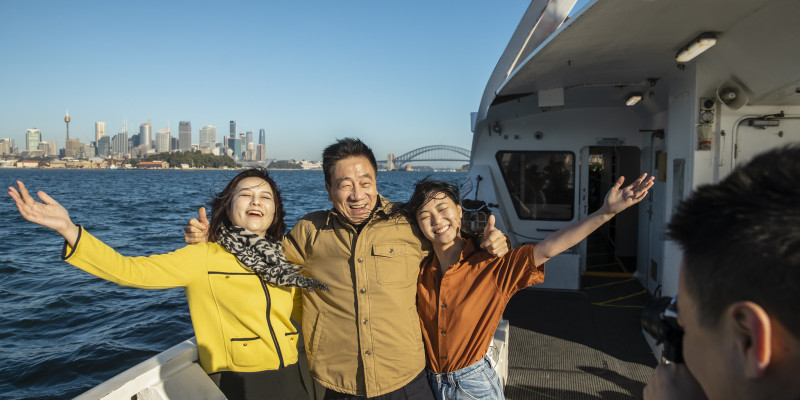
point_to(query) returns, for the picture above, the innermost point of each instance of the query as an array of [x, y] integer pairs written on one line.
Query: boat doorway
[[610, 251]]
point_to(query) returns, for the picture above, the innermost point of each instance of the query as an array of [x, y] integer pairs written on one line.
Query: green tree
[[196, 160], [284, 164]]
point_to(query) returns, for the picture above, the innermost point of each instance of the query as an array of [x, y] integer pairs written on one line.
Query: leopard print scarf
[[264, 257]]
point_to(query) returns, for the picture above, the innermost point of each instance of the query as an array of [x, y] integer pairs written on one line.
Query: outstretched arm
[[47, 213], [616, 201], [196, 231]]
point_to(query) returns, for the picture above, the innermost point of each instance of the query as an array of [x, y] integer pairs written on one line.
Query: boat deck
[[584, 344]]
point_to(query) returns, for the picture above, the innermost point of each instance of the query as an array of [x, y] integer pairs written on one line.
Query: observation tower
[[66, 119]]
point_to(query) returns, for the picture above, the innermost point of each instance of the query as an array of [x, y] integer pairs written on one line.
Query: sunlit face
[[253, 205], [440, 220], [704, 347], [352, 189]]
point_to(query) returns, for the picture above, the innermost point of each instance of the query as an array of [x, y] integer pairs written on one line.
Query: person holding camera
[[738, 300]]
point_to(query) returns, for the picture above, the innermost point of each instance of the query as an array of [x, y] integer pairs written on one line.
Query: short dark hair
[[741, 239], [221, 204], [345, 148]]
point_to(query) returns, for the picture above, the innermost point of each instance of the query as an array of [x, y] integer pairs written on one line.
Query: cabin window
[[541, 183]]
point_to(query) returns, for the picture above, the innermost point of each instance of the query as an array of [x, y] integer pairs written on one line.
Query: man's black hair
[[741, 239], [345, 148]]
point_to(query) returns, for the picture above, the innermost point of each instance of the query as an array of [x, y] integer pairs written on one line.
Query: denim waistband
[[451, 377]]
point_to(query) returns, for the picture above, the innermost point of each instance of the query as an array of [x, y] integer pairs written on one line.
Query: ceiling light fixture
[[698, 45], [633, 99]]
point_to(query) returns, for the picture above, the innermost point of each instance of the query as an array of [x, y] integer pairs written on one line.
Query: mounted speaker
[[732, 95]]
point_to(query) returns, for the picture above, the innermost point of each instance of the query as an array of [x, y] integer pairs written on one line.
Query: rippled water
[[63, 331]]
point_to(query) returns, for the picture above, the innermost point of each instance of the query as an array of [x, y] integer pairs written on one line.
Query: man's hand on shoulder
[[494, 241], [672, 382], [196, 231]]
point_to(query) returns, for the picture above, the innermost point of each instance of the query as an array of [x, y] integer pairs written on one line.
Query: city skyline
[[397, 75]]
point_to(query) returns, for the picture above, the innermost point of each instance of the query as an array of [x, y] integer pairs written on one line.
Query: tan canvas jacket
[[363, 335]]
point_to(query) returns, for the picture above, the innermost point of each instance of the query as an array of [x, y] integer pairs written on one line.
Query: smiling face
[[352, 189], [440, 219], [252, 205]]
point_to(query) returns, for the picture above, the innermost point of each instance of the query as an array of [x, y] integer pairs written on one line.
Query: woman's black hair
[[424, 191], [221, 205]]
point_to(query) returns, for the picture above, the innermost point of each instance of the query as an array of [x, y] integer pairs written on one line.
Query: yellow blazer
[[241, 324]]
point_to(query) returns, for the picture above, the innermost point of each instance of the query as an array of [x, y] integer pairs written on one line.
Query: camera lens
[[652, 316], [659, 319]]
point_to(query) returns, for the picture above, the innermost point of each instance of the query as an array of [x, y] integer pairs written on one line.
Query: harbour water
[[63, 331]]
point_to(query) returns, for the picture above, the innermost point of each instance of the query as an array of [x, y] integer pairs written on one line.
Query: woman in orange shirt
[[458, 281]]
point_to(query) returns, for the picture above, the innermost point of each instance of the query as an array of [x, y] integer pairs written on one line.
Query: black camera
[[660, 320]]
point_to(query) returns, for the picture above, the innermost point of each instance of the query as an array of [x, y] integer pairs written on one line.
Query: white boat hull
[[172, 374]]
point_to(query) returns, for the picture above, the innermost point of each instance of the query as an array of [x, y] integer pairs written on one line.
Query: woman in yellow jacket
[[242, 292]]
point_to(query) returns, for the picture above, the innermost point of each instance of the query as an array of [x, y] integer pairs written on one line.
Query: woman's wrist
[[70, 233]]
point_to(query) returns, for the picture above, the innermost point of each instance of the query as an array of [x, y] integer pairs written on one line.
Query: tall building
[[5, 146], [99, 131], [262, 137], [185, 136], [235, 144], [89, 150], [233, 129], [261, 154], [162, 140], [119, 143], [208, 136], [250, 153], [248, 138], [52, 149], [104, 146], [73, 148], [48, 149], [144, 135], [32, 139]]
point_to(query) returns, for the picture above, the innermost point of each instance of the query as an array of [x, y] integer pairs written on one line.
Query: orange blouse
[[459, 311]]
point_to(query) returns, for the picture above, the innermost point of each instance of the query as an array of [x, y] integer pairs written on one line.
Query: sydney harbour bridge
[[427, 153]]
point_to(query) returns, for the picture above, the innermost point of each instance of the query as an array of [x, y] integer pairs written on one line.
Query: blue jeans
[[478, 381]]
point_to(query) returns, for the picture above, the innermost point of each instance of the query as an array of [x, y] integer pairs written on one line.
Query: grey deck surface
[[583, 344]]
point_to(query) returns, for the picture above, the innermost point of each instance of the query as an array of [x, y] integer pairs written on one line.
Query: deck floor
[[584, 344]]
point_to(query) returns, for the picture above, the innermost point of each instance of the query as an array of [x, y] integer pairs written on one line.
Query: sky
[[398, 74]]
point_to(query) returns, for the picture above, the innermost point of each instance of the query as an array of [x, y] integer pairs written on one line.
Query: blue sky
[[399, 75]]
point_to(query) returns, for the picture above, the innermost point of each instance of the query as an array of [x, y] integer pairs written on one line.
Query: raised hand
[[196, 231], [494, 241], [47, 213], [618, 199]]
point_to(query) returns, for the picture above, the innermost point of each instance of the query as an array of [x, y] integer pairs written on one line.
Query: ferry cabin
[[610, 92]]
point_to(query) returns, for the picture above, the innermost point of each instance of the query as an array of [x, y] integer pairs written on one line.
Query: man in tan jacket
[[362, 336]]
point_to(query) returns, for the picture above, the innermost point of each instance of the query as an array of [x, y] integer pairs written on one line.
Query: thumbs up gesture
[[196, 231], [494, 241]]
